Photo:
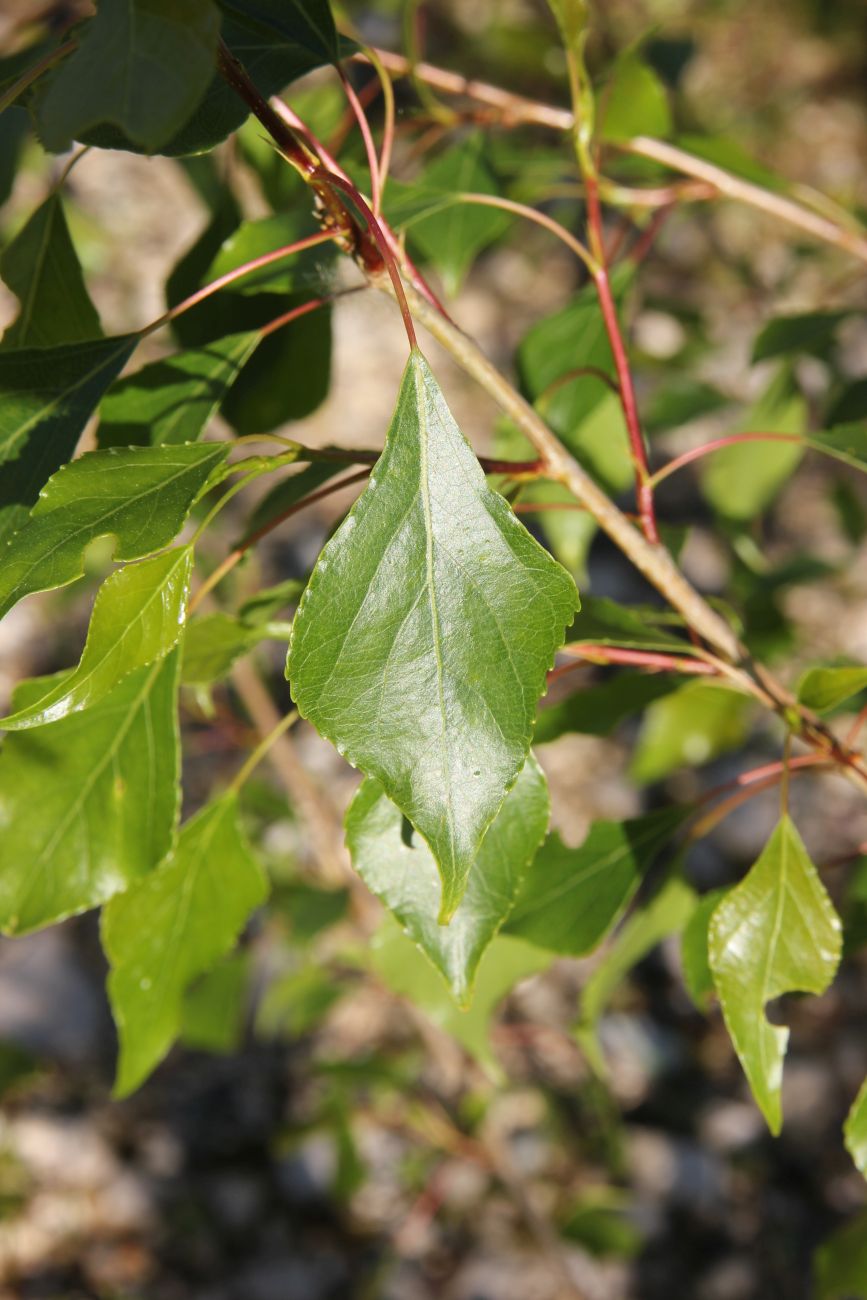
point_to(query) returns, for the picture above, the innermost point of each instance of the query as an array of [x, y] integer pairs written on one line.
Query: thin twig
[[717, 444]]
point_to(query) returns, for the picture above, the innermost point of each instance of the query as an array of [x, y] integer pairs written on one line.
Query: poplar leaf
[[213, 643], [137, 617], [138, 495], [46, 397], [171, 401], [396, 864], [823, 689], [172, 927], [774, 933], [88, 804], [570, 898], [41, 268], [412, 649], [855, 1131]]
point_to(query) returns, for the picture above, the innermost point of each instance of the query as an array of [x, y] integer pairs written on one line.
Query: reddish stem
[[606, 654], [716, 444], [369, 146], [643, 485], [294, 314]]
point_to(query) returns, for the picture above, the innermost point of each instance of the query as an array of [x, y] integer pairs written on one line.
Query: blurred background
[[316, 1136]]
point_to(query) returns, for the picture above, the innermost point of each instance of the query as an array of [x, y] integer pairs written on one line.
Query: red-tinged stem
[[328, 178], [266, 259], [855, 729], [767, 772], [717, 444], [643, 485], [647, 238], [367, 137], [241, 550], [531, 214], [656, 662], [294, 314], [539, 507], [578, 372]]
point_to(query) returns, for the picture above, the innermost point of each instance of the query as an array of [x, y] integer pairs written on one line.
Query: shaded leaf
[[396, 864], [14, 125], [252, 239], [270, 601], [855, 1131], [605, 622], [172, 927], [845, 442], [570, 898], [680, 400], [822, 689], [697, 974], [666, 913], [411, 648], [406, 971], [636, 102], [41, 268], [597, 710], [171, 401], [774, 933], [137, 617], [287, 377], [806, 332], [87, 804], [689, 727], [213, 643], [286, 494], [46, 398], [140, 67], [742, 479], [212, 1016], [841, 1262], [138, 495]]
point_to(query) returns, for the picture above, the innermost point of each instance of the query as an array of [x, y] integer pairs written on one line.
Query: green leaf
[[275, 40], [841, 1262], [597, 710], [774, 933], [741, 480], [697, 974], [605, 622], [666, 913], [289, 374], [213, 643], [807, 332], [411, 648], [270, 601], [141, 67], [212, 1016], [46, 398], [570, 898], [452, 237], [636, 102], [845, 442], [689, 727], [405, 969], [396, 864], [14, 125], [678, 401], [855, 1131], [253, 239], [172, 927], [137, 618], [286, 494], [138, 495], [88, 804], [822, 689], [172, 401], [41, 268]]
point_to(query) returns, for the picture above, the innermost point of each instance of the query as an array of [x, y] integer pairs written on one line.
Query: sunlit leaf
[[776, 932], [396, 864], [138, 495], [822, 689], [87, 804], [742, 479], [689, 727], [213, 643], [41, 268], [634, 102], [855, 1131], [137, 617], [172, 927], [412, 650]]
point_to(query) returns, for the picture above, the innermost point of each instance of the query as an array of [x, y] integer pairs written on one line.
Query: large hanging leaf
[[570, 898], [171, 401], [138, 495], [776, 932], [173, 926], [138, 617], [666, 913], [41, 268], [412, 649], [88, 804], [140, 66], [823, 689], [46, 397], [396, 864], [855, 1131]]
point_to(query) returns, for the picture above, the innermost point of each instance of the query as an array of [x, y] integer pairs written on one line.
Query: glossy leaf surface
[[570, 898], [397, 865], [138, 495], [138, 617], [88, 804], [172, 927], [776, 932], [41, 268], [411, 648], [46, 398], [171, 401]]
